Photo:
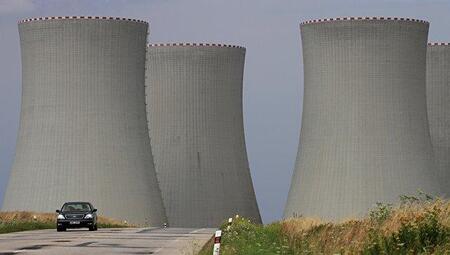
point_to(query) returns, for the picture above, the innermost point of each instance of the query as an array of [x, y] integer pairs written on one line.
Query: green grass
[[246, 238], [113, 225], [22, 221], [16, 226], [254, 239], [424, 236], [417, 226], [8, 227]]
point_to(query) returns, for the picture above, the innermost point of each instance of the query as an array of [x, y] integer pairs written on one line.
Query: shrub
[[381, 213], [423, 235], [420, 225], [246, 238]]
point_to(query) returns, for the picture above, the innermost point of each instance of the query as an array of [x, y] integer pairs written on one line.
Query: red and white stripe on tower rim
[[81, 18], [361, 19], [194, 45], [439, 44]]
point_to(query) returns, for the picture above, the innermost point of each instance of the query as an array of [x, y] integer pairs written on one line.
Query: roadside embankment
[[419, 225], [21, 221]]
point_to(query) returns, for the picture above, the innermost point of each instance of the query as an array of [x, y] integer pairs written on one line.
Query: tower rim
[[188, 44], [37, 19], [362, 18], [438, 44]]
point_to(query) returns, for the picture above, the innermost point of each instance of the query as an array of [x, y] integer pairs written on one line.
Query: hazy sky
[[273, 80]]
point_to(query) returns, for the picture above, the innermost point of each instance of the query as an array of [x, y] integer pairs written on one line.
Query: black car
[[76, 215]]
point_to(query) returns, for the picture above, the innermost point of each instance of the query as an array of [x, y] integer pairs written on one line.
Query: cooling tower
[[438, 94], [194, 107], [83, 129], [364, 135]]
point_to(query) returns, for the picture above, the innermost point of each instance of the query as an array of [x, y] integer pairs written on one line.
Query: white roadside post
[[216, 249]]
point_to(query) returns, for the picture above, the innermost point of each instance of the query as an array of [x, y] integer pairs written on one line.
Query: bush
[[420, 225], [422, 235], [246, 238], [381, 213]]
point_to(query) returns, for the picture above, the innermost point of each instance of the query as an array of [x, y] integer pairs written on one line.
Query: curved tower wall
[[364, 135], [438, 94], [194, 106], [83, 130]]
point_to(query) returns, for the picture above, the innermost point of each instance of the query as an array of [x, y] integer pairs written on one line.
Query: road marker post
[[217, 237]]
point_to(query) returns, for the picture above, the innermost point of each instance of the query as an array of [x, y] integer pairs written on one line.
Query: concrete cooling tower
[[194, 107], [83, 130], [438, 101], [364, 135]]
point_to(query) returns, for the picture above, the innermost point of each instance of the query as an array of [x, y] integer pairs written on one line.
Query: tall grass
[[419, 225], [21, 220], [244, 237]]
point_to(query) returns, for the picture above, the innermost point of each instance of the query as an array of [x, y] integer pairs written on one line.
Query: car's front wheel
[[93, 228], [60, 229]]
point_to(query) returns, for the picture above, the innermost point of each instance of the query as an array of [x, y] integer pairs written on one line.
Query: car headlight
[[88, 216], [61, 217]]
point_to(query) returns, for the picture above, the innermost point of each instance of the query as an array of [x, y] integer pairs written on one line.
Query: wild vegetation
[[419, 225], [21, 221]]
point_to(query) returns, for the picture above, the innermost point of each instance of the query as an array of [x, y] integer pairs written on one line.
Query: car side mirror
[[58, 211], [94, 210]]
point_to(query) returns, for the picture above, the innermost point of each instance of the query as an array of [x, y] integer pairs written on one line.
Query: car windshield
[[76, 207]]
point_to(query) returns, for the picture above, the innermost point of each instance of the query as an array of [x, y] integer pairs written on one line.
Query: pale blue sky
[[273, 81]]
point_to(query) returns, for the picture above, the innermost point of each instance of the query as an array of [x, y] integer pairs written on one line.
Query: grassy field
[[21, 221], [420, 225]]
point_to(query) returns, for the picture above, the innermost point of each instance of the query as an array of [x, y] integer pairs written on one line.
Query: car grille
[[74, 216]]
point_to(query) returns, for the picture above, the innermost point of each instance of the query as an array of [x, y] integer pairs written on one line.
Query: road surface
[[159, 241]]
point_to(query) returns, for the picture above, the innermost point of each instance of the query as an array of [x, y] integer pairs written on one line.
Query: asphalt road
[[171, 241]]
